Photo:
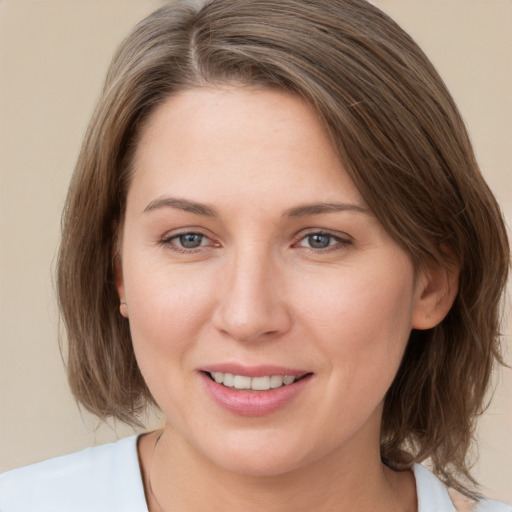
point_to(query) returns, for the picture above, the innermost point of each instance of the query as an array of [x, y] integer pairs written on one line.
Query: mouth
[[260, 383], [254, 390]]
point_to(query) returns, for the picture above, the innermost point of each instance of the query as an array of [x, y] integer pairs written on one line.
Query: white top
[[107, 479]]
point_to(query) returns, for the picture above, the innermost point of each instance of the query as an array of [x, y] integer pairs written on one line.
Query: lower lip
[[253, 403]]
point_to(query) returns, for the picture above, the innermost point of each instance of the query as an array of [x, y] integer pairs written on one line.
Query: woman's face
[[249, 255]]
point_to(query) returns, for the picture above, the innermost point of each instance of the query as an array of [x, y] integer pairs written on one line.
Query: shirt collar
[[432, 493]]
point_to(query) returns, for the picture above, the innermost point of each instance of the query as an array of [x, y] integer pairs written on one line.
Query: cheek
[[167, 312], [362, 318], [166, 319]]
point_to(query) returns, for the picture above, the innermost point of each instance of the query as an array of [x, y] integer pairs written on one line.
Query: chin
[[258, 456], [256, 466]]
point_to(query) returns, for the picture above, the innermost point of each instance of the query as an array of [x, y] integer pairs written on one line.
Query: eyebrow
[[318, 208], [181, 204], [296, 212]]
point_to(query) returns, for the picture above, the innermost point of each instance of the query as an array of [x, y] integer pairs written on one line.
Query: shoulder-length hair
[[400, 138]]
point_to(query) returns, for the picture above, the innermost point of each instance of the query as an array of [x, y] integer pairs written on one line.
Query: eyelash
[[169, 242], [340, 243]]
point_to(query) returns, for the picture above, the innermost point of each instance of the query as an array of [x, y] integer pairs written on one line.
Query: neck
[[178, 478]]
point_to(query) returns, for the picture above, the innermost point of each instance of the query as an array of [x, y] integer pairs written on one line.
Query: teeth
[[242, 382], [288, 379], [228, 380], [253, 383], [276, 381], [260, 383]]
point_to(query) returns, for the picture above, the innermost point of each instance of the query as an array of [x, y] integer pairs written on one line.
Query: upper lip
[[253, 371]]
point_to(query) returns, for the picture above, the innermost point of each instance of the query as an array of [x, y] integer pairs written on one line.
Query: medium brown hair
[[401, 139]]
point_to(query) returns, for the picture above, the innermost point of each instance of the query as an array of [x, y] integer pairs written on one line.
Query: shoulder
[[487, 505], [103, 478], [434, 496]]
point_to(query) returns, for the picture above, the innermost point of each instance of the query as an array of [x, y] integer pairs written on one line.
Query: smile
[[263, 383], [255, 391]]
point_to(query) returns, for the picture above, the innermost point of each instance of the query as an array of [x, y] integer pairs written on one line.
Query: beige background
[[53, 57]]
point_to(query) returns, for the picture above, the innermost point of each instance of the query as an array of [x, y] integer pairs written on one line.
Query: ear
[[436, 289], [118, 275], [118, 267]]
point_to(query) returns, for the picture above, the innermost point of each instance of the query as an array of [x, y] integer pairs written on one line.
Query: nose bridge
[[252, 302]]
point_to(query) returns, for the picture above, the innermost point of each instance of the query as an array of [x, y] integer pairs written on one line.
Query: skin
[[255, 292]]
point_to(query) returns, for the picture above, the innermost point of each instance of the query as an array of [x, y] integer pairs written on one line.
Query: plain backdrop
[[53, 58]]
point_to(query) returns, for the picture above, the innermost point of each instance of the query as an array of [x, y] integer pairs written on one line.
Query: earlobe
[[436, 290], [123, 309]]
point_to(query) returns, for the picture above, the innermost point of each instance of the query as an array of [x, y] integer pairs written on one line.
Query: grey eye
[[319, 241], [191, 240]]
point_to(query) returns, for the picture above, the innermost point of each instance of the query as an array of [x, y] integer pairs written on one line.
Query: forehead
[[238, 140], [207, 116]]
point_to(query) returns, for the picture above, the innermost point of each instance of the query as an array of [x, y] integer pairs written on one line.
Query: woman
[[276, 232]]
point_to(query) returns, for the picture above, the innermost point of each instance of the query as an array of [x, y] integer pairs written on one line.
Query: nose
[[252, 301]]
